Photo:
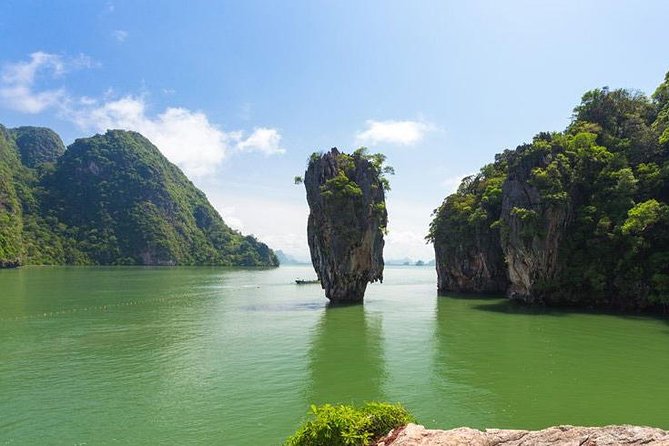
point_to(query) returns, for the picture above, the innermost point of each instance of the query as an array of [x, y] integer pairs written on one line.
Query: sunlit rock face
[[346, 223]]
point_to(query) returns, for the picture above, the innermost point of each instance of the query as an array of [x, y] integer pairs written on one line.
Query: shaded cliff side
[[109, 199], [578, 217], [347, 220], [468, 256]]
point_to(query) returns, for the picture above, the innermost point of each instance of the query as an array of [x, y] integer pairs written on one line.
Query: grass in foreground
[[346, 425]]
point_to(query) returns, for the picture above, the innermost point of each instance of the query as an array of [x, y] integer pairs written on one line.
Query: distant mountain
[[107, 200], [395, 262], [407, 261], [286, 259]]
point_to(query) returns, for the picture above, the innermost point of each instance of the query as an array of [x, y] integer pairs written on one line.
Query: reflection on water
[[510, 366], [346, 357], [236, 356]]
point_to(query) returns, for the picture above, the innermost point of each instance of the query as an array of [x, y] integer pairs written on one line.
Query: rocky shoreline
[[416, 435]]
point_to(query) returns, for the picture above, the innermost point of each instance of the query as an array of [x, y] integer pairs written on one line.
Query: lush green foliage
[[346, 425], [37, 145], [343, 196], [109, 199], [609, 172]]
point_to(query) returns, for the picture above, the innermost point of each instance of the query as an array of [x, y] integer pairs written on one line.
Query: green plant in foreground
[[346, 425]]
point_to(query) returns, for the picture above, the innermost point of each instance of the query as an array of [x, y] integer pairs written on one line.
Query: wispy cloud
[[263, 140], [186, 137], [403, 133], [120, 35], [18, 81]]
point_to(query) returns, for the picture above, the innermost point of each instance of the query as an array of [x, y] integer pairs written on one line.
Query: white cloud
[[285, 230], [264, 140], [403, 133], [229, 215], [185, 137], [120, 35], [17, 81]]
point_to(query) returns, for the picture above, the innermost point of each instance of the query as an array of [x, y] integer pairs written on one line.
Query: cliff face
[[109, 199], [472, 269], [577, 218], [467, 249], [533, 229], [346, 222]]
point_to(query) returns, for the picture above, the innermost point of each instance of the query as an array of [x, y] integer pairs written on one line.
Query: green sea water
[[97, 356]]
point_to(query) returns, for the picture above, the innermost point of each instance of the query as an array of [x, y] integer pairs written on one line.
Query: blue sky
[[240, 93]]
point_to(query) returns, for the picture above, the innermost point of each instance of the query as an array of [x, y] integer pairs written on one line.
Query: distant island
[[407, 261], [578, 217], [111, 199], [287, 259]]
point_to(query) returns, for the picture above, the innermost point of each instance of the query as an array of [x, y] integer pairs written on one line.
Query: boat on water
[[305, 282]]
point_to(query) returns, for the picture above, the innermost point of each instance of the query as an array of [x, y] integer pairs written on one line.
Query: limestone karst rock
[[572, 218], [468, 255], [346, 223], [534, 231]]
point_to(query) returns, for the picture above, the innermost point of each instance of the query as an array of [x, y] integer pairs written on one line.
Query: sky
[[239, 93]]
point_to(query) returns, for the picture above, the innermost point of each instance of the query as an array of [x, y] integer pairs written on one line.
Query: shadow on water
[[503, 305], [346, 357], [503, 364]]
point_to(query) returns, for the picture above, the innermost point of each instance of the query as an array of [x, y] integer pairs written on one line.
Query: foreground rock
[[415, 435], [346, 223]]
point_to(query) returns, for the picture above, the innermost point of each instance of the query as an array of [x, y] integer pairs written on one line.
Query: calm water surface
[[235, 357]]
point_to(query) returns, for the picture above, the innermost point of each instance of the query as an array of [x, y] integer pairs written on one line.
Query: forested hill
[[578, 217], [111, 199]]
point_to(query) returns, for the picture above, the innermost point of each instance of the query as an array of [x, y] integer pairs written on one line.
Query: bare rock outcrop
[[415, 435], [346, 223]]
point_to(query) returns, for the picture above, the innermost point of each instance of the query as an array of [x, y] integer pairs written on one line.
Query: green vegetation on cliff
[[580, 216], [109, 199]]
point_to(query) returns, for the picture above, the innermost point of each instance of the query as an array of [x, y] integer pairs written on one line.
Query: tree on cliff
[[347, 220], [575, 217]]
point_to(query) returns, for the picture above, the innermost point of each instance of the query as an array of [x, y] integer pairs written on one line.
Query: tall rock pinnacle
[[347, 221]]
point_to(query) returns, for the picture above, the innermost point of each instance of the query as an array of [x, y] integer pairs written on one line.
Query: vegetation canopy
[[600, 189], [112, 199]]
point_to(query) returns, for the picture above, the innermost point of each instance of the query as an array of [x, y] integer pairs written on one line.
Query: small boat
[[305, 282]]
